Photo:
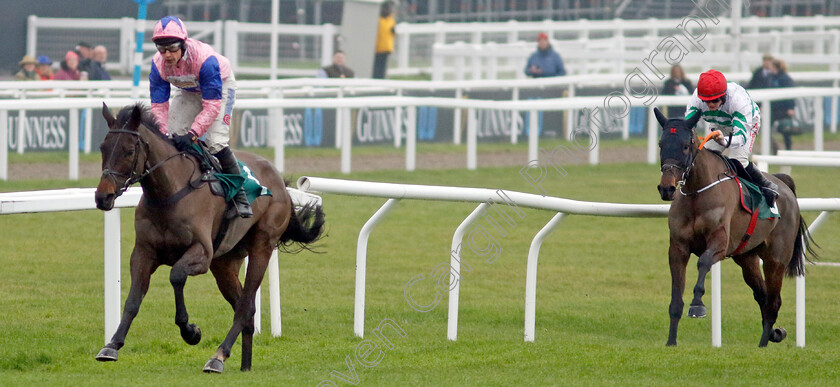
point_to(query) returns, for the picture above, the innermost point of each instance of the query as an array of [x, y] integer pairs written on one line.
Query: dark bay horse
[[178, 219], [705, 219]]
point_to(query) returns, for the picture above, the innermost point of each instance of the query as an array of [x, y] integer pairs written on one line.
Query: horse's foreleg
[[243, 317], [678, 260], [773, 273], [195, 261], [142, 267], [715, 249]]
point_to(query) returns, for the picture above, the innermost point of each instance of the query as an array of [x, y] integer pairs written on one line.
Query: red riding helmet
[[712, 85]]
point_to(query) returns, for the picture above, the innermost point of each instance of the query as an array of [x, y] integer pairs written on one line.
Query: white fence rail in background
[[489, 197], [72, 199], [804, 40], [344, 129]]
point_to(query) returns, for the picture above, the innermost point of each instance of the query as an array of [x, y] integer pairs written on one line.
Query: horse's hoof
[[191, 336], [697, 311], [779, 334], [107, 354], [214, 366]]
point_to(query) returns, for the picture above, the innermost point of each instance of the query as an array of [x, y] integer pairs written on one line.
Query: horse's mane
[[147, 119]]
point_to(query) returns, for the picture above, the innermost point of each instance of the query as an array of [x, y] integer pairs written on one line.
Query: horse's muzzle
[[667, 192], [104, 200]]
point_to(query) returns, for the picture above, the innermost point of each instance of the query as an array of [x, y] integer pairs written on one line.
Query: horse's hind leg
[[142, 267], [195, 261], [751, 269], [774, 273], [243, 316]]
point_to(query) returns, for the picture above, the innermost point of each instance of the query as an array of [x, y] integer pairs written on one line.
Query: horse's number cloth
[[231, 184]]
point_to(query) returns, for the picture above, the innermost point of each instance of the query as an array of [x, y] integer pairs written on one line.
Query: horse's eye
[[685, 147]]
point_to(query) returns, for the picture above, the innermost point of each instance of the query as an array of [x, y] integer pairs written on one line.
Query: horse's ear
[[109, 118], [136, 116], [660, 117], [693, 120]]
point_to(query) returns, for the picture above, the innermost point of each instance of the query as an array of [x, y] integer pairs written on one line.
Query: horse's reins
[[690, 163]]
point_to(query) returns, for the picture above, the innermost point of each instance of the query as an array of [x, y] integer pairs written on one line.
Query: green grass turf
[[602, 299]]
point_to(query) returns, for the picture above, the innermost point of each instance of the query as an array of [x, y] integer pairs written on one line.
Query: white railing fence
[[489, 197], [344, 133], [803, 40], [72, 199]]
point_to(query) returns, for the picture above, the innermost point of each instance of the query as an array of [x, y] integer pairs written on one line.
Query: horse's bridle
[[134, 176]]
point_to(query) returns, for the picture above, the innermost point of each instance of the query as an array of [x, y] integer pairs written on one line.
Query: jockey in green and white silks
[[728, 108]]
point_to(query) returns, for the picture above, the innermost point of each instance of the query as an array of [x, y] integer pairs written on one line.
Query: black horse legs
[[195, 261], [141, 271], [243, 316], [678, 260]]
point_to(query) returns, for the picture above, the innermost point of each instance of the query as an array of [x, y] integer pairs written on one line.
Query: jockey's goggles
[[173, 47]]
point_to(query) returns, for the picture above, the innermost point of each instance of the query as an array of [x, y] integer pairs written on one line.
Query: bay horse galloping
[[178, 221], [705, 219]]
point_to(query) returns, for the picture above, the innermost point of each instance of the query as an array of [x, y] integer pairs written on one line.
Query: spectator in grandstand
[[782, 113], [100, 56], [70, 68], [27, 69], [204, 93], [728, 109], [762, 76], [44, 68], [545, 62], [677, 84], [87, 64], [384, 39], [337, 69]]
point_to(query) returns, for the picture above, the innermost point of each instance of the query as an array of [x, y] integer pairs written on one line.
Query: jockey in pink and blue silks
[[203, 97]]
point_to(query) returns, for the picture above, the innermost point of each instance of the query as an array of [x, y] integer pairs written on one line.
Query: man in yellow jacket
[[384, 39]]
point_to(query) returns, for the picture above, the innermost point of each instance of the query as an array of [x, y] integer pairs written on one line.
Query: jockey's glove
[[184, 141]]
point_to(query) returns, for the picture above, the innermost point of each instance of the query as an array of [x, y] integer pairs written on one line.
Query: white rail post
[[31, 35], [339, 119], [274, 294], [800, 310], [531, 275], [766, 127], [716, 328], [74, 144], [818, 123], [398, 121], [455, 263], [4, 145], [88, 129], [653, 129], [276, 115], [361, 265], [411, 138], [231, 47], [21, 131], [112, 272], [533, 136], [456, 121], [402, 49], [346, 139], [514, 125], [833, 119], [472, 139], [327, 43]]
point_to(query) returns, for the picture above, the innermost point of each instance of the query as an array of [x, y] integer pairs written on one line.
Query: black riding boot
[[230, 166], [770, 189]]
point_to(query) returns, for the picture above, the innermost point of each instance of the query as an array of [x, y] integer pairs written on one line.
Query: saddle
[[225, 185], [752, 198]]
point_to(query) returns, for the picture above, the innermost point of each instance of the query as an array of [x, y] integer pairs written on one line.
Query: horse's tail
[[803, 248], [305, 227]]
